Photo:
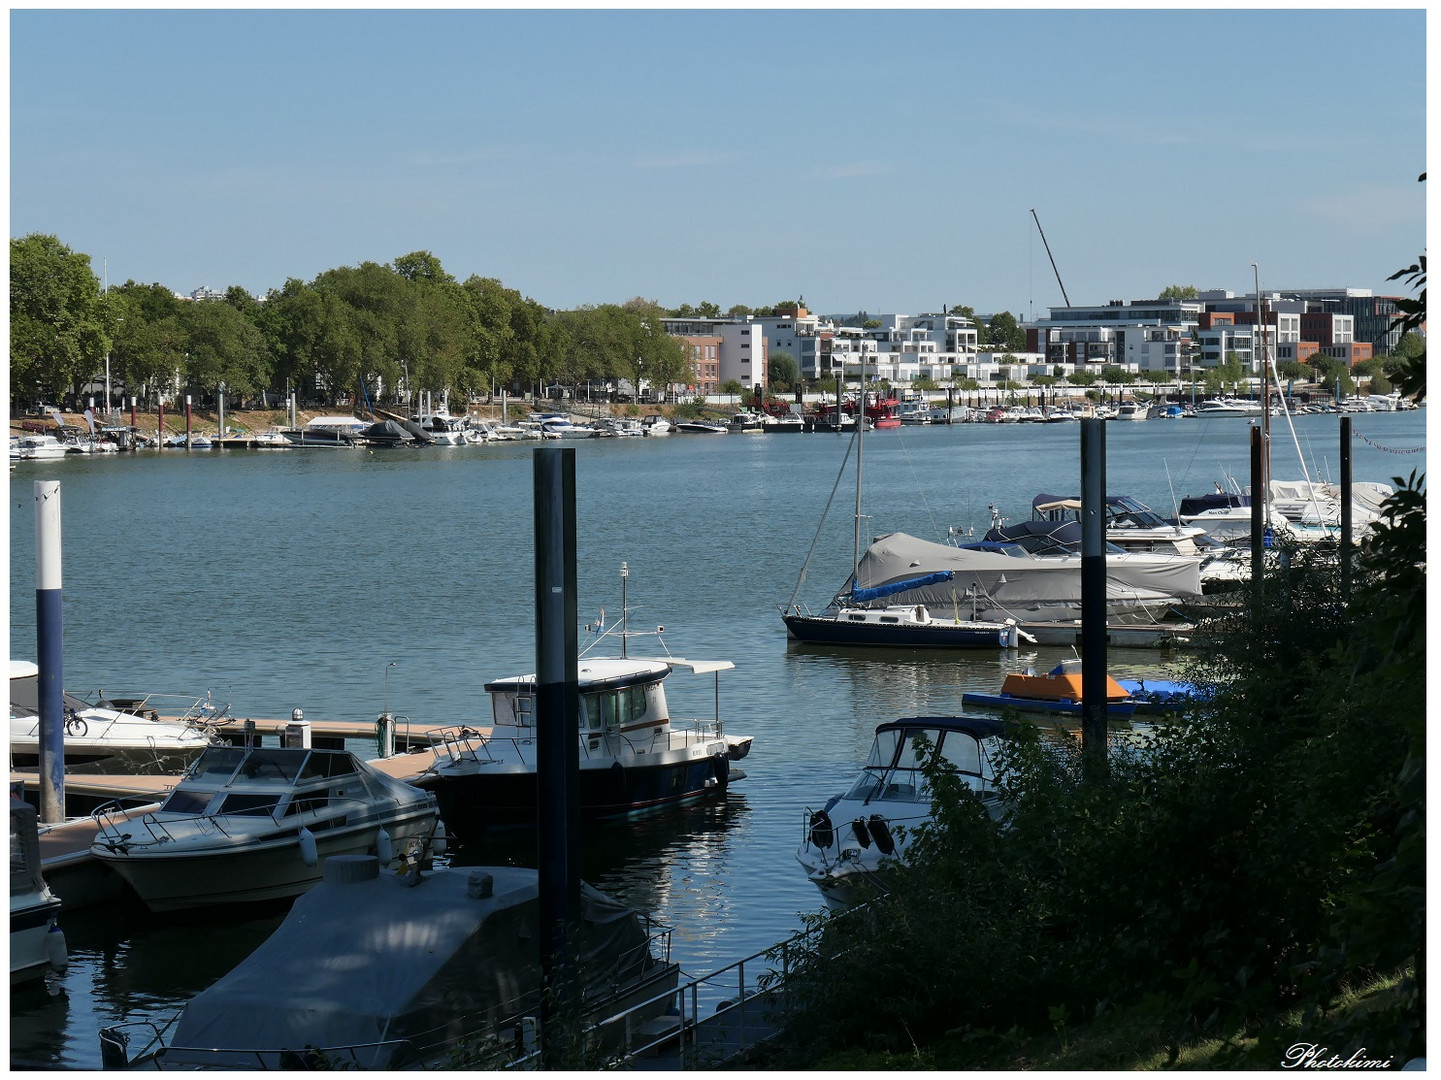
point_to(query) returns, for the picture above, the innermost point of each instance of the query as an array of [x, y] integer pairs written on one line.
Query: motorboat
[[389, 433], [846, 844], [37, 944], [1228, 407], [701, 427], [107, 737], [1133, 526], [746, 423], [1060, 691], [326, 431], [617, 427], [257, 823], [443, 428], [39, 447], [1132, 410], [633, 756], [371, 970], [656, 425], [559, 426], [193, 441]]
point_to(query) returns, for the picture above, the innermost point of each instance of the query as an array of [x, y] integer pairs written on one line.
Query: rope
[[1389, 449], [821, 524]]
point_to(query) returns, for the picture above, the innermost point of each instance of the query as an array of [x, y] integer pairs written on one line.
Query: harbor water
[[345, 582]]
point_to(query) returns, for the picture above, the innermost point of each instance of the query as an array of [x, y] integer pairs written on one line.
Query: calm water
[[284, 579]]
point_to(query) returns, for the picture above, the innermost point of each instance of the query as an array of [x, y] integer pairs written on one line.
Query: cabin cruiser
[[327, 431], [38, 447], [1132, 410], [108, 737], [633, 756], [442, 428], [845, 844], [402, 971], [257, 823], [36, 942], [702, 427], [1228, 407]]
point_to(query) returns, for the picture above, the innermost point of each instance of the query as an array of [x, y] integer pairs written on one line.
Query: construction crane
[[1059, 282]]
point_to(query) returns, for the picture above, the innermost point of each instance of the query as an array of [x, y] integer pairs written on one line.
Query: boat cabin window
[[883, 750], [610, 708], [217, 762], [183, 801], [304, 804], [325, 763], [962, 751], [255, 805], [271, 764], [512, 709]]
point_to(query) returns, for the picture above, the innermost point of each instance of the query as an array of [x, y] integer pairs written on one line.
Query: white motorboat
[[847, 842], [443, 428], [39, 447], [1228, 407], [746, 422], [657, 425], [617, 427], [107, 737], [421, 970], [36, 942], [247, 824], [1132, 410], [701, 427], [633, 756]]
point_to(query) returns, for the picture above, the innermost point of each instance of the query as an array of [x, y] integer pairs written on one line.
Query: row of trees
[[375, 329]]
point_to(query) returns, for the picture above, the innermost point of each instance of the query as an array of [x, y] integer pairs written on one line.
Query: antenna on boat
[[624, 573]]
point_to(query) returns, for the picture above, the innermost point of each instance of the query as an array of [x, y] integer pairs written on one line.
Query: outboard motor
[[881, 833]]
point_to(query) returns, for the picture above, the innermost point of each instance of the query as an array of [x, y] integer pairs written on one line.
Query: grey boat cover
[[358, 963], [1020, 586]]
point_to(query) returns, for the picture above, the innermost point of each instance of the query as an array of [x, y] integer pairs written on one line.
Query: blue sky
[[863, 159]]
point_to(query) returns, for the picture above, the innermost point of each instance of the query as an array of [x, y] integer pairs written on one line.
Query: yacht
[[1228, 407], [107, 737], [633, 755], [846, 844], [257, 823], [1132, 410]]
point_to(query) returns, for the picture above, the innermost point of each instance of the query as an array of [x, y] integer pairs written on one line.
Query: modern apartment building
[[722, 350]]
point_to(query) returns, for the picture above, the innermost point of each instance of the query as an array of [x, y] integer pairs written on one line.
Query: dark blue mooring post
[[49, 653], [557, 706], [1345, 509], [1093, 596]]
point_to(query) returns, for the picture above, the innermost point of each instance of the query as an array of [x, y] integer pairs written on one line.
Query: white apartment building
[[723, 350]]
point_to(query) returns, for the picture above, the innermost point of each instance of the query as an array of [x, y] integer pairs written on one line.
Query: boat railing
[[202, 710], [110, 818], [455, 744]]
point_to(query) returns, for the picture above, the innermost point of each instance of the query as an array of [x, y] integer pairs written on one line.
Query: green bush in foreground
[[1241, 872]]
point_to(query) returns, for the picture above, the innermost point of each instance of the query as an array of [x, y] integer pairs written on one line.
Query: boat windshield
[[217, 763], [267, 763]]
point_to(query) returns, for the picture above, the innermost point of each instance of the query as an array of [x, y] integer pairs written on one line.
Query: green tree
[[1174, 293], [654, 358], [223, 346], [1082, 377], [150, 342], [1115, 374], [57, 318], [1004, 332], [783, 370]]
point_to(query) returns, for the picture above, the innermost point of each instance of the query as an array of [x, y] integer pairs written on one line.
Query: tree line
[[373, 329]]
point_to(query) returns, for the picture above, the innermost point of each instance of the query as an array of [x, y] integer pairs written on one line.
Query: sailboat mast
[[860, 431], [1263, 332]]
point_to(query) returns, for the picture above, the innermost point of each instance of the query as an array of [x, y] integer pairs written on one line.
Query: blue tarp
[[861, 596]]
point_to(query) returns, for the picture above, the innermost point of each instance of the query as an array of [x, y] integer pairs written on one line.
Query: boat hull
[[272, 869], [32, 916], [473, 800], [822, 630], [1114, 710]]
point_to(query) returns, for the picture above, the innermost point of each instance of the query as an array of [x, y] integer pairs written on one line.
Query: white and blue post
[[49, 651]]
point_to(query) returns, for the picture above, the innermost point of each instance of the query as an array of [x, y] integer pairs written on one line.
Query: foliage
[[58, 332], [1081, 377], [1257, 856], [1115, 374], [1178, 292], [1004, 332], [1151, 375], [1409, 373]]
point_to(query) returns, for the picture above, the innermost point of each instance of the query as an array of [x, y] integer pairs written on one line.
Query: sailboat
[[854, 618]]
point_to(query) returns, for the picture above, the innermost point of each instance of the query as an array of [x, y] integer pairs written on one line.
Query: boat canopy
[[391, 968], [25, 690], [861, 596]]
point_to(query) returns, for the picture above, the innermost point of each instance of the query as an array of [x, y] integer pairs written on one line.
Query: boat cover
[[356, 963], [862, 596], [1010, 585]]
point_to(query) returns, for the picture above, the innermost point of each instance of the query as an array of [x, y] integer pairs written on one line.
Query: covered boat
[[385, 971], [1060, 691], [247, 824], [1005, 579]]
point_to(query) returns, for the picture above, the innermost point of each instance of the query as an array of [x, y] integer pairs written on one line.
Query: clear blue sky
[[866, 160]]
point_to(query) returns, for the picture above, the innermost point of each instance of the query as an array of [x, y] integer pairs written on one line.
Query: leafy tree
[[1175, 293], [150, 339], [1115, 374], [57, 317], [1410, 373], [783, 370], [732, 386], [1294, 369], [1004, 332], [1151, 375], [654, 357], [222, 346], [1082, 377]]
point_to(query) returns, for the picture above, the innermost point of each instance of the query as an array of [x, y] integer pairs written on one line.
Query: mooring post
[[187, 421], [557, 707], [1093, 597], [160, 424], [1260, 513], [1345, 509], [49, 653]]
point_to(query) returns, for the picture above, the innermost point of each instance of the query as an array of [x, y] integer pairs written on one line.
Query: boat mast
[[1262, 333], [860, 430]]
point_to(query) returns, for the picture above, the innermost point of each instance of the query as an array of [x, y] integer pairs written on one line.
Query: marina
[[354, 584]]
